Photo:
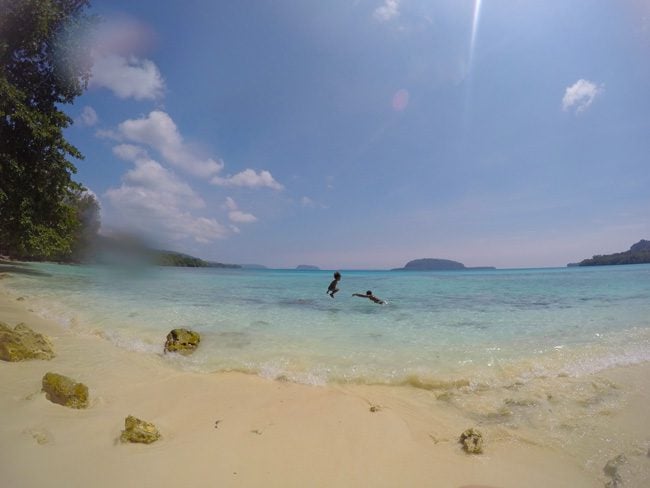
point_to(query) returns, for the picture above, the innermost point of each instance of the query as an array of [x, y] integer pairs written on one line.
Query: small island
[[435, 264], [638, 253], [307, 267]]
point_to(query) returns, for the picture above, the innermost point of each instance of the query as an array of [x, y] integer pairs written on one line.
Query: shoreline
[[235, 429]]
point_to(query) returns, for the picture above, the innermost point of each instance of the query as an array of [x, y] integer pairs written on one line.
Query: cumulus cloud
[[127, 77], [155, 201], [148, 174], [129, 152], [88, 116], [249, 178], [236, 215], [158, 131], [387, 11], [580, 95]]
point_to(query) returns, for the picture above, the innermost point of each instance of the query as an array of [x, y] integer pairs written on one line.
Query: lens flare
[[400, 100], [475, 20]]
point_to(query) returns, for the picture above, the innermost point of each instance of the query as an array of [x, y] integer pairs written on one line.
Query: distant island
[[638, 253], [307, 267], [433, 264]]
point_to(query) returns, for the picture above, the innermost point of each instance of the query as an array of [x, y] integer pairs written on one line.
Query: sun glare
[[475, 20]]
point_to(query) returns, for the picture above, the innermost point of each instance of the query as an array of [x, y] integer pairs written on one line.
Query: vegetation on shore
[[126, 249], [171, 258], [43, 64], [44, 214], [639, 253]]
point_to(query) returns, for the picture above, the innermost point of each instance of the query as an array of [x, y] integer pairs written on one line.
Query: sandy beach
[[233, 429]]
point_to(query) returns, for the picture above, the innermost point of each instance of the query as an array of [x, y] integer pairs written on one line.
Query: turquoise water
[[469, 327]]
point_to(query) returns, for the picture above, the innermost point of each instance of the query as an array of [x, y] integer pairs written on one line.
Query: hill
[[127, 250], [638, 253], [171, 258], [434, 264]]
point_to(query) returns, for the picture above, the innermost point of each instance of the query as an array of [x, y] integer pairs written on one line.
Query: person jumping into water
[[369, 296], [332, 289]]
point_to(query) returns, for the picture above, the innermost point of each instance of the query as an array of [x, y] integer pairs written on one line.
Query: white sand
[[271, 433]]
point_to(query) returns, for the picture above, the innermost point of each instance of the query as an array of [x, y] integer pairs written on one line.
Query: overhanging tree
[[44, 63]]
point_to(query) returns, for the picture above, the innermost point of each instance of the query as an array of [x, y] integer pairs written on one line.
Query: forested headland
[[638, 253]]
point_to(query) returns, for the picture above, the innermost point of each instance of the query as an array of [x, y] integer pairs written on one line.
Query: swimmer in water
[[369, 296]]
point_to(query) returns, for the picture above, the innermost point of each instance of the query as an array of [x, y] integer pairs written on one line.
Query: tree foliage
[[44, 63], [86, 210]]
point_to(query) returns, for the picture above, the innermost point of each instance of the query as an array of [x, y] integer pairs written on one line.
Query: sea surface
[[437, 329]]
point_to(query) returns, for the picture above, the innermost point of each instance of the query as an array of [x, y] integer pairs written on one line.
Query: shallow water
[[512, 351], [438, 329]]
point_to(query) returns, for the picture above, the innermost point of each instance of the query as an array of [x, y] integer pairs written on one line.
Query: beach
[[236, 429]]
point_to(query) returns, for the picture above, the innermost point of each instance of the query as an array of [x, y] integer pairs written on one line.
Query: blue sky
[[364, 134]]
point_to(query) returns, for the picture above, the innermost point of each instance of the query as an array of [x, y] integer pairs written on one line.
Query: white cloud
[[580, 95], [88, 116], [236, 215], [107, 134], [129, 152], [309, 203], [128, 77], [155, 201], [249, 178], [162, 185], [387, 11], [158, 131]]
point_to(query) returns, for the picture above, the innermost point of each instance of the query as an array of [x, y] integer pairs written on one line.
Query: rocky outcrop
[[183, 341], [65, 391], [472, 441], [612, 471], [136, 430], [23, 343]]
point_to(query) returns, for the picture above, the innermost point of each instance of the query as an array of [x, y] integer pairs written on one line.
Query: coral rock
[[183, 341], [611, 469], [23, 343], [136, 430], [65, 391], [472, 441]]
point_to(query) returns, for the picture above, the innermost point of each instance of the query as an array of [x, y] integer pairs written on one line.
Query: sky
[[364, 134]]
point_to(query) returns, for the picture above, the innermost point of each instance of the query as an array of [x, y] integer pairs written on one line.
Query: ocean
[[457, 329]]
